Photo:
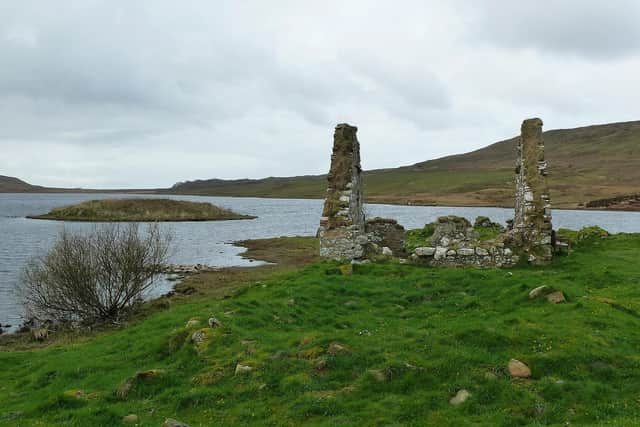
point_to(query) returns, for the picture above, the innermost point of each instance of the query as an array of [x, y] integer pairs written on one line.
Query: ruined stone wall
[[532, 230], [342, 225], [455, 243], [385, 233]]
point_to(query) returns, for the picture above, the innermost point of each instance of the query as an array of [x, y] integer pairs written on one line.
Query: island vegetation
[[141, 210], [324, 343]]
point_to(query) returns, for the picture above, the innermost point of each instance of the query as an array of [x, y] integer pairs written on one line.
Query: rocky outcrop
[[342, 225], [532, 231]]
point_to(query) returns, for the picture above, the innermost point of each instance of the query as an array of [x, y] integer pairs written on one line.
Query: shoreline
[[376, 202]]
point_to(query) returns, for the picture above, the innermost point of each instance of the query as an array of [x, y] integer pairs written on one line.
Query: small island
[[143, 210]]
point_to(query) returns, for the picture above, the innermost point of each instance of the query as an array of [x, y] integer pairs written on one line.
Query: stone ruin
[[342, 225], [531, 230], [345, 234]]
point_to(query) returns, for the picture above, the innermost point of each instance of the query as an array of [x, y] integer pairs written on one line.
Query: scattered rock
[[170, 422], [125, 388], [321, 365], [243, 369], [540, 290], [460, 397], [336, 349], [214, 323], [556, 297], [192, 323], [130, 419], [386, 251], [518, 369]]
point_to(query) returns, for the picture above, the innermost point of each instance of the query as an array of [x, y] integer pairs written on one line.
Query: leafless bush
[[96, 277]]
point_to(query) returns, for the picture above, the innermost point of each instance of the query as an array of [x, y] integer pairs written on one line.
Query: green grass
[[140, 210], [419, 237], [428, 332]]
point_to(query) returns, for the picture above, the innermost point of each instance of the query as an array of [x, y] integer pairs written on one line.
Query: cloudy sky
[[123, 93]]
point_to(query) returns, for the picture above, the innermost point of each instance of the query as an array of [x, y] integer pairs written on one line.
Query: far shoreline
[[149, 193]]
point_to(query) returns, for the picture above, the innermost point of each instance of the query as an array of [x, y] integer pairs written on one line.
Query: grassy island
[[372, 344], [120, 210]]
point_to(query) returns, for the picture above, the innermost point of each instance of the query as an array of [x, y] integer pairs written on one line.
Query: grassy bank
[[389, 344], [111, 210]]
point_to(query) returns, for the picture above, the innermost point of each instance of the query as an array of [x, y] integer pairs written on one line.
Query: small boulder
[[336, 349], [243, 369], [127, 385], [556, 297], [518, 369], [460, 397], [214, 323], [198, 337], [540, 290], [192, 323], [130, 419], [170, 422], [386, 251]]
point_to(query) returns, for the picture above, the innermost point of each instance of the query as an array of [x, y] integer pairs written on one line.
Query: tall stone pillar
[[532, 229], [342, 225]]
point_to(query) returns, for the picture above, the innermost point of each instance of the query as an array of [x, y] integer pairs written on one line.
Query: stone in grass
[[336, 349], [192, 323], [536, 292], [170, 422], [386, 251], [123, 390], [556, 297], [243, 369], [460, 397], [214, 323], [130, 419], [518, 369]]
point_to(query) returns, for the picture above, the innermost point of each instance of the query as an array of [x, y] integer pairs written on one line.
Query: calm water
[[209, 242]]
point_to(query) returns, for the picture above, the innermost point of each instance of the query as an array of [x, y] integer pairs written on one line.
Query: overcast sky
[[146, 93]]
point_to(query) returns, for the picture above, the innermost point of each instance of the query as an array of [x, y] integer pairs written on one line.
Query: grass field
[[389, 344], [140, 210]]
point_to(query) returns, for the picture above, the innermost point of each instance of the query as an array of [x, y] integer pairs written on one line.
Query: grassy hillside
[[585, 164], [389, 344], [140, 210], [9, 184]]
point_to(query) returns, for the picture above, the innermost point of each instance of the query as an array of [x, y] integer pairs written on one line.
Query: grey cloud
[[146, 93], [591, 29]]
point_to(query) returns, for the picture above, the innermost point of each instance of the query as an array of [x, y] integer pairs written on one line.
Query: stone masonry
[[342, 225], [532, 231]]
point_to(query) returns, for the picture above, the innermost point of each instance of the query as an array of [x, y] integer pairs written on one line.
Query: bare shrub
[[96, 277]]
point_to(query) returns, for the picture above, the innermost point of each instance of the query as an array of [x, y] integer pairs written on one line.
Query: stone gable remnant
[[342, 225], [532, 230]]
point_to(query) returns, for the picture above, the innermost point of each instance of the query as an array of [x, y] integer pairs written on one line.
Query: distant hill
[[9, 184], [585, 164], [593, 163]]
